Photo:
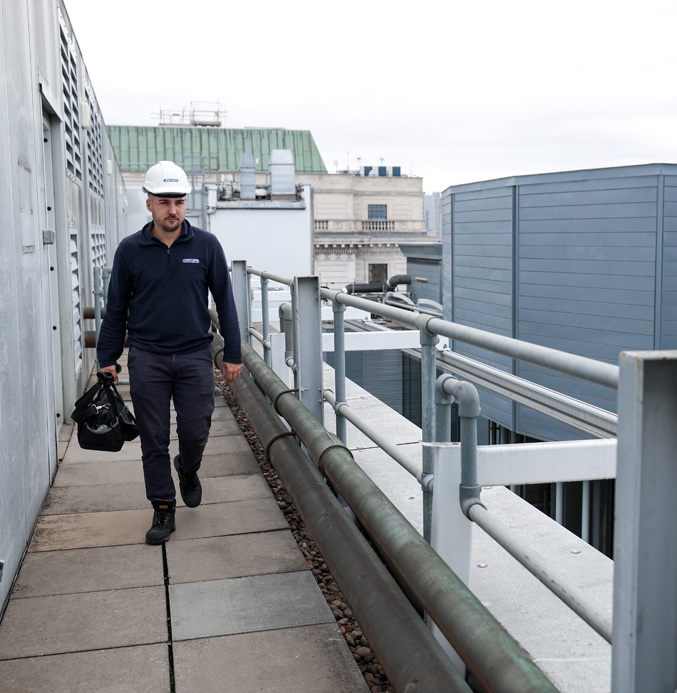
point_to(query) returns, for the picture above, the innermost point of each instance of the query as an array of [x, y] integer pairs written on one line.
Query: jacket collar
[[147, 238]]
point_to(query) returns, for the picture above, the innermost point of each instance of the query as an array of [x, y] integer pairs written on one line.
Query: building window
[[378, 274], [377, 212]]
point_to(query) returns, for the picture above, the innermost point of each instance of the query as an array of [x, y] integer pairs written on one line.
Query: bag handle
[[85, 407]]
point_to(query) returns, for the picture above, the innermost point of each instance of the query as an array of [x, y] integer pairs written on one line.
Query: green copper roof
[[137, 148]]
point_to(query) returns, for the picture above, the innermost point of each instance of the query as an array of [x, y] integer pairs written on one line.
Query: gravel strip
[[359, 645]]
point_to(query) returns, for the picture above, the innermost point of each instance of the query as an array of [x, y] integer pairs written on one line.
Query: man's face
[[168, 212]]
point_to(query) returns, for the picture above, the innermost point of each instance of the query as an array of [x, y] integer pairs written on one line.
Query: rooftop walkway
[[229, 604]]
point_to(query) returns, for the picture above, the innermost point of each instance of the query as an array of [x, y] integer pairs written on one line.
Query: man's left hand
[[230, 371]]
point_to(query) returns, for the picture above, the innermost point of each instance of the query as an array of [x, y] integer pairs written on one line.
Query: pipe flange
[[286, 434], [278, 395]]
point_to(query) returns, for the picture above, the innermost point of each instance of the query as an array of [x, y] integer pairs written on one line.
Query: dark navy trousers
[[154, 380]]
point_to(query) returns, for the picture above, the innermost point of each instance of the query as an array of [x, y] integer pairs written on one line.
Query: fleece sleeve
[[222, 291], [114, 326]]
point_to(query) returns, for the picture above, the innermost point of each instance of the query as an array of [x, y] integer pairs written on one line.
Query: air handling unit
[[282, 172]]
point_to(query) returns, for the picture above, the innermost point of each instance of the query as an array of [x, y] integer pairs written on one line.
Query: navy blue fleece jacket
[[159, 295]]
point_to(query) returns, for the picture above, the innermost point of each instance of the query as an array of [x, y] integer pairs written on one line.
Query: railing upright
[[242, 298], [340, 368], [428, 377], [645, 540], [265, 319], [308, 344]]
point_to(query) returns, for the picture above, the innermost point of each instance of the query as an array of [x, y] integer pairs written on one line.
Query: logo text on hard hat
[[170, 180]]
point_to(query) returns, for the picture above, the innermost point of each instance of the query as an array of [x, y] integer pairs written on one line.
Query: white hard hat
[[166, 178]]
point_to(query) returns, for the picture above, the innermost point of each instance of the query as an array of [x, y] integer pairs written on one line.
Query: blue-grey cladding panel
[[446, 206], [586, 278], [668, 319], [419, 269], [482, 279]]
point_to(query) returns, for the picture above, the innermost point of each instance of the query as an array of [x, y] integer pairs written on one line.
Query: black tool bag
[[104, 422]]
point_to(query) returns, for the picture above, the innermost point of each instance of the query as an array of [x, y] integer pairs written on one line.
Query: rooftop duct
[[247, 176], [282, 172]]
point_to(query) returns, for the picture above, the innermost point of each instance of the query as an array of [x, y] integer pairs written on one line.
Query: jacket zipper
[[169, 256]]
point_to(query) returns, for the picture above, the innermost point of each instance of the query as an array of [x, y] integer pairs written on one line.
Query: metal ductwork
[[282, 172], [247, 176], [378, 287], [397, 280]]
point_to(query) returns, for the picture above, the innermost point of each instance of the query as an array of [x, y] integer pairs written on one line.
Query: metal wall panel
[[482, 278], [45, 165], [668, 317], [592, 257]]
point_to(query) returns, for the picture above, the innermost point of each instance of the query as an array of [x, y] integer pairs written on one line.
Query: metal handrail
[[588, 369], [591, 419]]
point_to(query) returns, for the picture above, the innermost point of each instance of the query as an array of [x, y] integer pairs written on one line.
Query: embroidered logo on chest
[[191, 260]]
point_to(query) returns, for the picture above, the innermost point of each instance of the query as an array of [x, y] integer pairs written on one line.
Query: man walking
[[159, 295]]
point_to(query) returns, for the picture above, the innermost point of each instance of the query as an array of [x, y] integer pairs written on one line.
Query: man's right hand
[[111, 369]]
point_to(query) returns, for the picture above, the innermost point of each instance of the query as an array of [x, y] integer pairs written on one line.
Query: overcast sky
[[451, 91]]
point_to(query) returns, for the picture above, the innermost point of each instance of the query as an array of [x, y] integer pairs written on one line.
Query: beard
[[170, 225]]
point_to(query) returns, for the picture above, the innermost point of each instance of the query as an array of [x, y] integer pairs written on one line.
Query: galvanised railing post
[[340, 368], [265, 319], [443, 403], [645, 541], [250, 296], [308, 344], [241, 296], [428, 376]]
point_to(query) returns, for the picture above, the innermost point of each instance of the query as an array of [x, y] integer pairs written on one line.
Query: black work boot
[[191, 488], [164, 522]]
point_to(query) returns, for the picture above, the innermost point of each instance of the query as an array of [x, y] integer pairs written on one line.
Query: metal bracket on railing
[[277, 437], [278, 395]]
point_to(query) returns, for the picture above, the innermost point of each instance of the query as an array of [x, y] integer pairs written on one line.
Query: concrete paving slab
[[244, 605], [99, 473], [242, 462], [88, 530], [66, 431], [224, 445], [131, 471], [130, 451], [222, 519], [308, 658], [95, 498], [109, 497], [216, 445], [119, 670], [216, 558], [46, 573], [76, 622], [226, 489]]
